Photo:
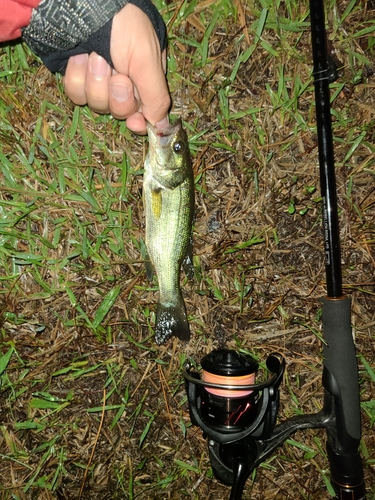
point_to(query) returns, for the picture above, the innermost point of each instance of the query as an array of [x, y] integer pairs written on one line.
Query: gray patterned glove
[[60, 29]]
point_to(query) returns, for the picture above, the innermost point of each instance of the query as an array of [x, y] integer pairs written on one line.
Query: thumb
[[135, 52]]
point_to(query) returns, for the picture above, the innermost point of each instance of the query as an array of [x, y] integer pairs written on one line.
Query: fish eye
[[179, 147]]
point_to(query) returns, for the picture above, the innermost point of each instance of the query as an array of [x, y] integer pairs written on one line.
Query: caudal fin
[[171, 321]]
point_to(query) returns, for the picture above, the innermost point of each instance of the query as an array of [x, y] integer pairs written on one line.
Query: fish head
[[168, 156]]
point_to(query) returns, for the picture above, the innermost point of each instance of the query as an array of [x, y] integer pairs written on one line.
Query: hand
[[136, 90]]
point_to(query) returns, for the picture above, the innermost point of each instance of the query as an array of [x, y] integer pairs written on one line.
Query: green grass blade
[[106, 305]]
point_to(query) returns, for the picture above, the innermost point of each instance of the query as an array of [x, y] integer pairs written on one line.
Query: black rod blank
[[326, 154]]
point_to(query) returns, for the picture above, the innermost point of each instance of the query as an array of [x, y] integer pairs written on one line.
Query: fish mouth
[[163, 136]]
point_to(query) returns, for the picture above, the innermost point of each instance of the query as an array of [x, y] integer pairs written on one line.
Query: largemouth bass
[[168, 192]]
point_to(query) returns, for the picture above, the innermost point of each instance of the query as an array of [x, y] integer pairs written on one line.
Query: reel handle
[[241, 472]]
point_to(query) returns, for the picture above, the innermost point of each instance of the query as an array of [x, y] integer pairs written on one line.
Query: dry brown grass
[[246, 190]]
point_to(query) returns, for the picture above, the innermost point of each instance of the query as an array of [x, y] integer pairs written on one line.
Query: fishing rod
[[340, 371], [237, 414]]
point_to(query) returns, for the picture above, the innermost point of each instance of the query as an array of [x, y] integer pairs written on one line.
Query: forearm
[[14, 16]]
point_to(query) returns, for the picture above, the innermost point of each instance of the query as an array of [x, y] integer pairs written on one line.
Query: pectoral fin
[[156, 202]]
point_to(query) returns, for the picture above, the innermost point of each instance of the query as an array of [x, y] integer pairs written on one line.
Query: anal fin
[[149, 268], [187, 263], [146, 258]]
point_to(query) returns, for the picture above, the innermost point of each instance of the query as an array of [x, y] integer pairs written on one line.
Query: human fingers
[[75, 78], [135, 51], [86, 81], [115, 94], [137, 123], [154, 95], [122, 100], [97, 83]]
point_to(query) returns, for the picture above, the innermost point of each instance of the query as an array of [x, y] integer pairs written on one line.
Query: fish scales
[[168, 189]]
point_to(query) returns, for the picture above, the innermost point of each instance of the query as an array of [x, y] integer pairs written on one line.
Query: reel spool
[[227, 408]]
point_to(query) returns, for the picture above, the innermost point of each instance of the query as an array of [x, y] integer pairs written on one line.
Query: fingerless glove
[[60, 29]]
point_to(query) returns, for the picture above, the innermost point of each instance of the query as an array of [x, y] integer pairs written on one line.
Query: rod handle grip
[[340, 376]]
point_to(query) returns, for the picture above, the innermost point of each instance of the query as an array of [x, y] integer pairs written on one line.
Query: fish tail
[[171, 321]]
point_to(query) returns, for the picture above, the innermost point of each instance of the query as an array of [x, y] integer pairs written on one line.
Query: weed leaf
[[105, 306], [4, 360]]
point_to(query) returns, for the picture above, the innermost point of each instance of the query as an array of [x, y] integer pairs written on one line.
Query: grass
[[90, 406]]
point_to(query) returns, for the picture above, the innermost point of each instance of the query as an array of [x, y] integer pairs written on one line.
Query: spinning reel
[[238, 418], [234, 412]]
